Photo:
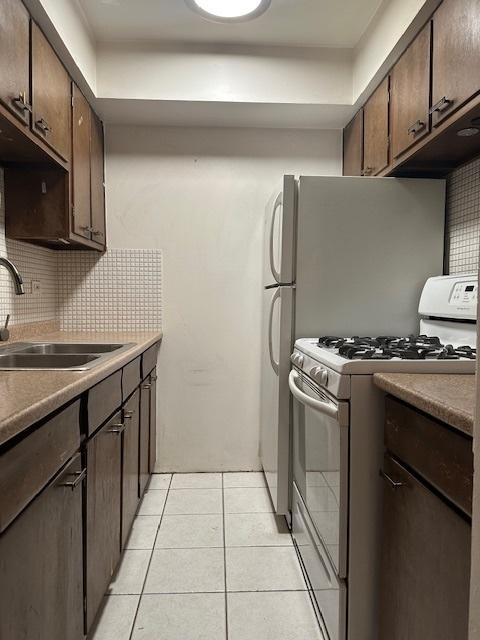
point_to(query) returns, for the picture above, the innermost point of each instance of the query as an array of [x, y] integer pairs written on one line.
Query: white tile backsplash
[[463, 219], [120, 290]]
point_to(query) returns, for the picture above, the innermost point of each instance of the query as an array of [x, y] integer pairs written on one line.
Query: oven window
[[319, 449]]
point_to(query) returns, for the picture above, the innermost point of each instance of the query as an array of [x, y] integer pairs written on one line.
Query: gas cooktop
[[421, 347]]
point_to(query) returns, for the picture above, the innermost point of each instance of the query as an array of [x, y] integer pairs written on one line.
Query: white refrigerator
[[342, 256]]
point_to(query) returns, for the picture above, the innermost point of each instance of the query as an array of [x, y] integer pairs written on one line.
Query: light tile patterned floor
[[208, 560]]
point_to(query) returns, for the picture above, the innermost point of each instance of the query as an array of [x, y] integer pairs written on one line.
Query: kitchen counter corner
[[449, 398]]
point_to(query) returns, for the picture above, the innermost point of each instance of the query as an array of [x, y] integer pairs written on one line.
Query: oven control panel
[[450, 297], [464, 293]]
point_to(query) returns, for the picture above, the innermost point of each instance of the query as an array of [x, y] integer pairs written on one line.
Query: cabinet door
[[97, 185], [51, 95], [153, 421], [353, 146], [425, 577], [15, 58], [104, 486], [131, 434], [410, 94], [81, 165], [456, 56], [375, 127], [145, 391], [41, 565]]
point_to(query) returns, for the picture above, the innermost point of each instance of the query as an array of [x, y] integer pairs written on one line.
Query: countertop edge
[[19, 422], [432, 405]]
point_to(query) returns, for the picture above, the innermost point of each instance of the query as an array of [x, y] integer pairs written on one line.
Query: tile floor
[[208, 560]]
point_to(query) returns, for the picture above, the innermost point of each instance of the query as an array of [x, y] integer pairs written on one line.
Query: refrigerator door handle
[[275, 365], [276, 207]]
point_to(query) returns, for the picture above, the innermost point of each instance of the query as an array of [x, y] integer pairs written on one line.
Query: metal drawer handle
[[417, 126], [146, 386], [86, 228], [368, 171], [117, 428], [153, 378], [393, 483], [80, 476], [43, 126], [20, 102], [96, 232], [128, 415], [441, 105]]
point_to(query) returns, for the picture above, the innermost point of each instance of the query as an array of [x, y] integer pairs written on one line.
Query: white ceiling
[[321, 23]]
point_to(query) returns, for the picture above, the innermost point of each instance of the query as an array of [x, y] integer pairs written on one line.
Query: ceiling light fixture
[[229, 10]]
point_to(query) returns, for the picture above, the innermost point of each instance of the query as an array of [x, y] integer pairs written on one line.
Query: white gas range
[[338, 420]]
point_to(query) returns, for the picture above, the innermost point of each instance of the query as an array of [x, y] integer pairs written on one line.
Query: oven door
[[320, 464]]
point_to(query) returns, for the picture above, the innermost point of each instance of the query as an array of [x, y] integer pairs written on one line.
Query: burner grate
[[411, 347]]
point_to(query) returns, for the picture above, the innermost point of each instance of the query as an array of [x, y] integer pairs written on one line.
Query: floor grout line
[[224, 558], [150, 561]]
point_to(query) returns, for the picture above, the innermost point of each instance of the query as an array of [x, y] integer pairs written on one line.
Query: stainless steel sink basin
[[61, 356], [62, 348], [42, 361]]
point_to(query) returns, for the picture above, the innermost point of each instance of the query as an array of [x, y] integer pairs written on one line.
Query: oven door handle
[[317, 405]]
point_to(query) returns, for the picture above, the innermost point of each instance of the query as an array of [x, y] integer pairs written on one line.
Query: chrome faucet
[[16, 277]]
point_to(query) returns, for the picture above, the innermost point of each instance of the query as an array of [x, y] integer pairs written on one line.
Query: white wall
[[150, 71], [199, 195]]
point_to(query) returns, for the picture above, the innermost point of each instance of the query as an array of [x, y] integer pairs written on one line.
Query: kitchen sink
[[67, 348], [57, 356], [43, 361]]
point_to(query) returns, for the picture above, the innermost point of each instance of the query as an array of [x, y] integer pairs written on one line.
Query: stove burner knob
[[320, 375], [299, 361]]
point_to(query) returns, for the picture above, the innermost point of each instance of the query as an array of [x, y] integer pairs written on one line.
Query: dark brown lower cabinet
[[130, 458], [425, 562], [153, 421], [104, 466], [41, 564]]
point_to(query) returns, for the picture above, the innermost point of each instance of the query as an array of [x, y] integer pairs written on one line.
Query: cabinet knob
[[20, 102], [441, 105], [43, 126], [393, 483], [416, 127]]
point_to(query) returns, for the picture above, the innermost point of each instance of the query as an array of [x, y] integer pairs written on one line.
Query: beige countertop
[[449, 398], [29, 396]]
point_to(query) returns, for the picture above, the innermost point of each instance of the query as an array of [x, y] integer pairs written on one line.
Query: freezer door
[[364, 251], [275, 396], [279, 235]]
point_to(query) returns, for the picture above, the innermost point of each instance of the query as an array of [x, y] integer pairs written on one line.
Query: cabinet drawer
[[28, 466], [103, 400], [149, 360], [439, 454], [131, 377]]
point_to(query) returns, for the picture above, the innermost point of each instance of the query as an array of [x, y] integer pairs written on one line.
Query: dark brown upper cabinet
[[97, 181], [51, 95], [15, 58], [80, 175], [375, 127], [410, 94], [456, 56], [353, 146]]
